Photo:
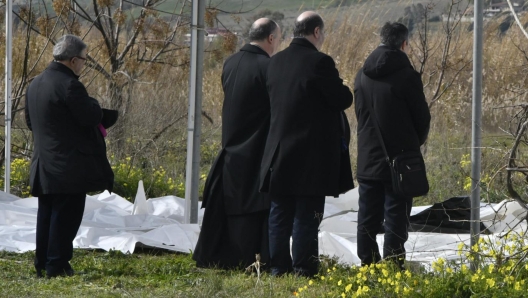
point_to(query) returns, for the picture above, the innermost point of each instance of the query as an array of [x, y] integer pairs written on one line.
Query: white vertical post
[[8, 78], [194, 122], [476, 125]]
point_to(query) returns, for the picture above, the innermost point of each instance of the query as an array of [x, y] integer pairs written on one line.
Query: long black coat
[[395, 90], [305, 152], [69, 154], [245, 125]]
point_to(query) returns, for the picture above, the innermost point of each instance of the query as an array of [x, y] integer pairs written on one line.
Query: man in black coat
[[234, 227], [389, 84], [306, 156], [69, 157]]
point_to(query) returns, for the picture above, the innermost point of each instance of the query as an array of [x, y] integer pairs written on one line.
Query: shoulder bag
[[409, 177]]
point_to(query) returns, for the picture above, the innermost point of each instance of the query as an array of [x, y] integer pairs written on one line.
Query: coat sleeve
[[418, 107], [335, 94], [86, 110]]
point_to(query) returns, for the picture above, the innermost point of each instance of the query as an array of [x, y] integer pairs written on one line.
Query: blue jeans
[[297, 217], [380, 207]]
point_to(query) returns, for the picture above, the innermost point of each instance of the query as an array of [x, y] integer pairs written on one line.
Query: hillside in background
[[244, 12]]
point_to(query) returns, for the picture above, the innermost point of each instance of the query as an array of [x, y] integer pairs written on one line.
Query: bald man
[[234, 227], [306, 156]]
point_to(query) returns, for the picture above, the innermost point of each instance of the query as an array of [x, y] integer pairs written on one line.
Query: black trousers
[[297, 217], [380, 207], [59, 217]]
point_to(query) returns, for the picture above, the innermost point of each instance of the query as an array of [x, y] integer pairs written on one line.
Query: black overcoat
[[245, 125], [69, 154], [395, 91], [307, 149]]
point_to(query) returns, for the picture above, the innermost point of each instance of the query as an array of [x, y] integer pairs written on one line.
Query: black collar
[[54, 65], [303, 42], [254, 49]]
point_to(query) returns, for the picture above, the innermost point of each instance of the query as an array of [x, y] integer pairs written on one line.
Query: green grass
[[155, 273], [150, 273]]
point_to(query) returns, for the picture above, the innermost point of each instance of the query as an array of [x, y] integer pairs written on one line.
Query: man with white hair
[[69, 157]]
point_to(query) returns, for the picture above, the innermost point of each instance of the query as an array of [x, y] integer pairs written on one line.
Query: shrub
[[19, 179], [501, 271]]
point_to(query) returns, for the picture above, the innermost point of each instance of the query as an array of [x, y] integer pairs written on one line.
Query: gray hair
[[67, 47]]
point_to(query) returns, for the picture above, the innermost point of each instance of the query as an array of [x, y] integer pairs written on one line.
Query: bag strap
[[369, 105]]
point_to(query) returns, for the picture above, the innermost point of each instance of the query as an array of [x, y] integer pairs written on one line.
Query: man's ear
[[404, 45], [271, 37]]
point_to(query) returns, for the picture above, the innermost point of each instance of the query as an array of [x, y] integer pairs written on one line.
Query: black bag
[[409, 177], [408, 174]]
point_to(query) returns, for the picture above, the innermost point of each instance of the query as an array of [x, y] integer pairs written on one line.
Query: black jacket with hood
[[388, 82]]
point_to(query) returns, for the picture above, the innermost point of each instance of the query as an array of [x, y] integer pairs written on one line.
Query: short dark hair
[[67, 47], [306, 26], [262, 31], [393, 34]]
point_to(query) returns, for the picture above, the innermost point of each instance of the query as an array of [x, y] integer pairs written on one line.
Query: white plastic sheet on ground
[[113, 223]]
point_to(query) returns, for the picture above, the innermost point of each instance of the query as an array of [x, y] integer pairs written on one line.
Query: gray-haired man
[[69, 157]]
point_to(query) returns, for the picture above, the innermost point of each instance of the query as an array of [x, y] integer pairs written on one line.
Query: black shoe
[[40, 274], [63, 273]]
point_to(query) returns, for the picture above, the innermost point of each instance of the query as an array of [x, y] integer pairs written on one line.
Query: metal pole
[[8, 78], [194, 122], [476, 126]]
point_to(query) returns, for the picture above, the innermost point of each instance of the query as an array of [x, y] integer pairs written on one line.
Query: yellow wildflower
[[363, 269], [348, 287], [310, 282], [490, 282], [517, 286], [464, 268], [339, 283]]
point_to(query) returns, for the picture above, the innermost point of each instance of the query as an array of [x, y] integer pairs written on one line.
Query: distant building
[[211, 35]]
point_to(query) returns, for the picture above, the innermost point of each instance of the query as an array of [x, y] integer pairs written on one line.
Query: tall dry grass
[[157, 101]]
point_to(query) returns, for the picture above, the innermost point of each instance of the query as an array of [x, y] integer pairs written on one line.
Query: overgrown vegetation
[[151, 94], [149, 87]]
